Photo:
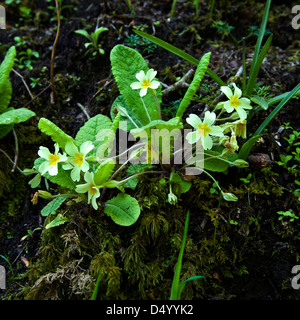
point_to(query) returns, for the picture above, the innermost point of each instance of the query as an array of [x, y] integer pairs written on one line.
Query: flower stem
[[157, 103], [146, 109]]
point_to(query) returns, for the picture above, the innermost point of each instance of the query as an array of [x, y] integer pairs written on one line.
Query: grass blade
[[246, 148], [280, 97], [259, 39], [277, 109], [95, 292], [253, 76], [180, 54], [173, 8], [175, 284]]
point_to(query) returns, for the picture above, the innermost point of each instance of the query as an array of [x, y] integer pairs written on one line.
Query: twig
[[49, 85], [16, 150], [179, 84], [25, 84], [53, 51], [8, 157], [83, 110]]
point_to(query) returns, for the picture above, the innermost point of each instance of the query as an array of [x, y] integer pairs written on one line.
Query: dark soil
[[251, 260]]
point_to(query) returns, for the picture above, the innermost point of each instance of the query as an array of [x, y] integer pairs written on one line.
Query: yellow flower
[[77, 160], [91, 188], [145, 81], [50, 165], [235, 102], [204, 129]]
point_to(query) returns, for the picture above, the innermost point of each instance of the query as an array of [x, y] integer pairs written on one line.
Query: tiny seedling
[[287, 214], [93, 46]]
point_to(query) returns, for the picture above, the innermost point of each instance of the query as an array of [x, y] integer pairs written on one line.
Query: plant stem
[[146, 109], [53, 51], [157, 103]]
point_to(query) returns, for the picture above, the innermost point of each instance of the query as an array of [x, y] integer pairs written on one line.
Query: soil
[[260, 251]]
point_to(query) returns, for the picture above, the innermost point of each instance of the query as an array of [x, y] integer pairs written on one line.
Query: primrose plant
[[88, 164]]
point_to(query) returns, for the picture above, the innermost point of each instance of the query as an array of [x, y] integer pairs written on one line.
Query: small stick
[[8, 157], [16, 150], [83, 110], [53, 51], [179, 84], [25, 84]]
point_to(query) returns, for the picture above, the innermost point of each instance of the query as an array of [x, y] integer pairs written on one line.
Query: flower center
[[78, 159], [204, 129], [146, 83], [54, 158], [234, 101], [93, 189]]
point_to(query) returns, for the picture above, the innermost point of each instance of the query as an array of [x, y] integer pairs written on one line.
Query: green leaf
[[104, 172], [97, 32], [62, 178], [175, 293], [90, 130], [59, 220], [258, 45], [180, 54], [15, 116], [246, 147], [255, 70], [184, 185], [107, 145], [52, 130], [95, 292], [126, 63], [52, 206], [7, 65], [289, 96], [123, 209], [261, 102], [83, 33], [214, 162], [170, 125], [183, 283], [199, 74], [127, 114], [5, 129], [5, 95]]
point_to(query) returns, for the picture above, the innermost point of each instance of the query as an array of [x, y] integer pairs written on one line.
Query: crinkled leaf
[[7, 65], [52, 130], [62, 178], [52, 206], [59, 220], [104, 172], [126, 63], [199, 74], [127, 114], [123, 209], [15, 116], [107, 144], [90, 131], [5, 95]]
